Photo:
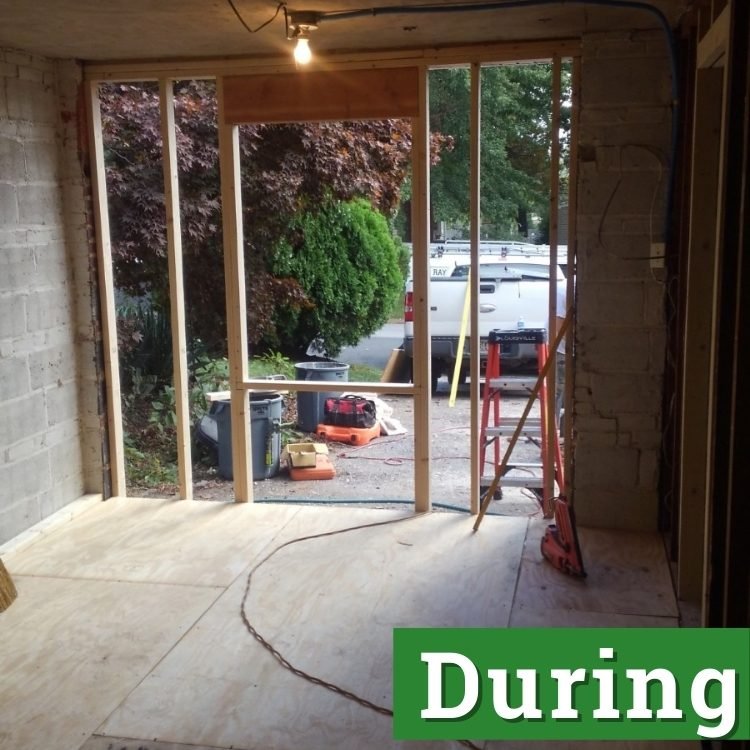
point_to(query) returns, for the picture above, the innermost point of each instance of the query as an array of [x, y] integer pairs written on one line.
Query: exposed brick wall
[[49, 443], [620, 337]]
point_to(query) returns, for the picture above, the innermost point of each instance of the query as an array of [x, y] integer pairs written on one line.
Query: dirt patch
[[381, 473]]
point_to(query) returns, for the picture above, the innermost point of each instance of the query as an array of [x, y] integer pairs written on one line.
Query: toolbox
[[351, 435]]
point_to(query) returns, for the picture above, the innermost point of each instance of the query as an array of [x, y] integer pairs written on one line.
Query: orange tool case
[[351, 435]]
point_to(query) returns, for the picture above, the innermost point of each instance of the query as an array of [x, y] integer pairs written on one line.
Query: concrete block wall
[[49, 435], [620, 335]]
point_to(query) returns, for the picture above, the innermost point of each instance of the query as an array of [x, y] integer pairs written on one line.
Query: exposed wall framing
[[552, 313], [259, 90], [475, 221], [569, 489], [107, 294], [176, 290]]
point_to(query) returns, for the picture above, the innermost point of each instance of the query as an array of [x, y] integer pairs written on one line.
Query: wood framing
[[554, 203], [314, 386], [176, 289], [304, 96], [571, 274], [713, 46], [116, 444], [420, 228], [697, 334], [497, 52], [369, 85], [475, 220], [234, 279], [715, 377]]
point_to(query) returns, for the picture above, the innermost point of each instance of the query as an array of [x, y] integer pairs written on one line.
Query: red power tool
[[560, 542]]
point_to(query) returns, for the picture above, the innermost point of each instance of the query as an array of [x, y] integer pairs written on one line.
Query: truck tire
[[435, 373]]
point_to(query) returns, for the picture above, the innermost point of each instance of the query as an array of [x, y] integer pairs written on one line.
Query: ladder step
[[513, 383], [505, 431], [528, 422], [532, 427], [530, 482]]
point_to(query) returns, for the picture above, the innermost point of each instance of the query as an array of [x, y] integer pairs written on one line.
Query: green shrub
[[145, 342], [349, 266]]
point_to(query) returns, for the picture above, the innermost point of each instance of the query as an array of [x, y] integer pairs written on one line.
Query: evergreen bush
[[349, 266]]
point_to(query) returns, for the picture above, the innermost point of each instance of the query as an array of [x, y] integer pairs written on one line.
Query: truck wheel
[[436, 372], [463, 374]]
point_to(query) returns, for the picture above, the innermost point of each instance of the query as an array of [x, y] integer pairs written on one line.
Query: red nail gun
[[560, 542]]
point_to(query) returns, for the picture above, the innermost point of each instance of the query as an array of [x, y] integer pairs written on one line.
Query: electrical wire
[[505, 5], [263, 25], [283, 661], [360, 501], [389, 10]]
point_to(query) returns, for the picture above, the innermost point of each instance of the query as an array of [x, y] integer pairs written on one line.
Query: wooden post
[[176, 288], [549, 446], [421, 276], [234, 272], [8, 591], [475, 221], [106, 294], [696, 348], [572, 262], [715, 379]]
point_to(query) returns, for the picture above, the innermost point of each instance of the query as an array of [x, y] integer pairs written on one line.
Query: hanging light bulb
[[302, 52], [299, 26]]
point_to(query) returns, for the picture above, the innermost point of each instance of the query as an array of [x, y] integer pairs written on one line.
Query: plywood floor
[[127, 630]]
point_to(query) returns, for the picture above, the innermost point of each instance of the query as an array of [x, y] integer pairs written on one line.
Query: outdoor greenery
[[351, 264], [319, 203], [287, 172], [515, 148]]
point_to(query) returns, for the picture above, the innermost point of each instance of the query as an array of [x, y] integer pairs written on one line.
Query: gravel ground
[[383, 470]]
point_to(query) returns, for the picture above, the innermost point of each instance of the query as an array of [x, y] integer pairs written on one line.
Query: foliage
[[270, 364], [515, 146], [347, 262], [145, 343], [145, 468], [365, 374], [285, 170]]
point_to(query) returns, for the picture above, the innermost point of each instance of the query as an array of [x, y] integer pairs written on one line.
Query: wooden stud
[[697, 332], [234, 273], [420, 204], [713, 46], [176, 288], [106, 294], [554, 203], [314, 386], [306, 96], [214, 67], [572, 262], [475, 220], [8, 592]]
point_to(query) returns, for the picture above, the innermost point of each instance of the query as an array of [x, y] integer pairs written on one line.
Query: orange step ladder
[[530, 475]]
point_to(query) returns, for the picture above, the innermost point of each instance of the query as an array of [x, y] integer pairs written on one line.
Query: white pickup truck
[[513, 293]]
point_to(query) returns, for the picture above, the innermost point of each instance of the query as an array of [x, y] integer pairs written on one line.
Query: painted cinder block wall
[[50, 437], [50, 444], [621, 332]]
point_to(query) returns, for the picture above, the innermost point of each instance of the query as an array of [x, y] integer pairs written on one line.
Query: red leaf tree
[[287, 170]]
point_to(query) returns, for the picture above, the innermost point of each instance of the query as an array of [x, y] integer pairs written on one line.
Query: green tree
[[515, 145], [349, 266], [285, 171]]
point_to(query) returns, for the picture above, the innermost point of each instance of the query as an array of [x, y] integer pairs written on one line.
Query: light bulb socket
[[301, 23]]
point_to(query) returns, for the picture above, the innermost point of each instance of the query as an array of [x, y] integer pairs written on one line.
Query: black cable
[[263, 25], [503, 4]]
